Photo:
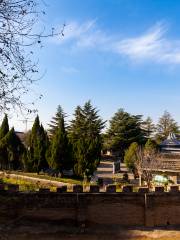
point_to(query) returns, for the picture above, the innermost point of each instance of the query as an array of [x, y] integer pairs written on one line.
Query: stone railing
[[93, 189]]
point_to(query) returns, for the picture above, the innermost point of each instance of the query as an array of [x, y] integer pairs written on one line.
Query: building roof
[[21, 135], [171, 141]]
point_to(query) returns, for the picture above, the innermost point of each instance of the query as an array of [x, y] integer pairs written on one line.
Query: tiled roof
[[171, 141]]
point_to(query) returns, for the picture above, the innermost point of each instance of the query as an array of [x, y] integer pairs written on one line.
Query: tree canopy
[[59, 153], [125, 129], [11, 147], [166, 125], [54, 123], [149, 127], [130, 157], [85, 136], [37, 147]]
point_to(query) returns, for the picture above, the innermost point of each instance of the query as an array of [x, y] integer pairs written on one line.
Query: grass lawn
[[43, 176], [25, 185]]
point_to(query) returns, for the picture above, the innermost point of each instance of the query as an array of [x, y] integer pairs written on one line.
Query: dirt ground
[[35, 231], [136, 235]]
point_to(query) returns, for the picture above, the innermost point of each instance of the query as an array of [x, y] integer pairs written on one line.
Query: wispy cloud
[[85, 35], [152, 45]]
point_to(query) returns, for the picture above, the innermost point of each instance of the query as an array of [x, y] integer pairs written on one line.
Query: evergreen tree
[[25, 161], [3, 149], [150, 146], [130, 156], [85, 136], [125, 129], [4, 127], [148, 127], [15, 150], [165, 126], [54, 124], [59, 152], [38, 143]]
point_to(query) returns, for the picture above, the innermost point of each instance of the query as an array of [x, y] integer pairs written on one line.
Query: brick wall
[[127, 208]]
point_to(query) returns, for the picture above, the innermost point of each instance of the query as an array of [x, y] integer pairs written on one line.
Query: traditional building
[[171, 145], [21, 135]]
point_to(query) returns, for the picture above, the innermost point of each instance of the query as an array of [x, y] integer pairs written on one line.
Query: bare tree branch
[[17, 38]]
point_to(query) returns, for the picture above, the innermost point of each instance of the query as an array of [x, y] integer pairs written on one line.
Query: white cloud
[[153, 45], [85, 35], [74, 30]]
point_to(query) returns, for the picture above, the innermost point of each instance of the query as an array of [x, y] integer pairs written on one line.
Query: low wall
[[127, 208]]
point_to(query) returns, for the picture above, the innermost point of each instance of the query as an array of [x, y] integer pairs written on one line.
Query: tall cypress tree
[[38, 143], [3, 149], [15, 149], [54, 123], [85, 136], [59, 155], [4, 127]]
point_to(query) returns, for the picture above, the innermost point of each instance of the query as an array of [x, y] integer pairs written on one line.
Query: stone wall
[[94, 208]]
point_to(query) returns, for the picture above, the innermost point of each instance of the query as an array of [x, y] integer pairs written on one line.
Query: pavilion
[[171, 145]]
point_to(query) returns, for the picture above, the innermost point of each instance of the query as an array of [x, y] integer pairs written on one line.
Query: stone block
[[143, 190], [44, 190], [111, 188], [174, 188], [13, 187], [159, 189], [62, 189], [2, 187], [77, 188], [128, 188], [94, 189]]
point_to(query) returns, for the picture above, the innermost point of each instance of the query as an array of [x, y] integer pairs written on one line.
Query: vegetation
[[130, 157], [165, 126], [76, 148], [86, 140], [125, 129], [19, 36], [11, 148], [54, 124], [59, 152], [46, 177], [36, 149], [143, 161], [149, 127], [151, 146]]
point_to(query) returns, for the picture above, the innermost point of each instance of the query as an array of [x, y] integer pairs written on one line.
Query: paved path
[[35, 180], [105, 171]]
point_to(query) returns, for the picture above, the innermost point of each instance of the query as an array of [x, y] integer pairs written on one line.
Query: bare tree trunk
[[140, 180]]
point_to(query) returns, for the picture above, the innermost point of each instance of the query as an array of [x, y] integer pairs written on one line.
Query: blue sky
[[117, 53]]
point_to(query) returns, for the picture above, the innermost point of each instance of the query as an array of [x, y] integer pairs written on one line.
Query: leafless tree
[[146, 164], [139, 163], [18, 71]]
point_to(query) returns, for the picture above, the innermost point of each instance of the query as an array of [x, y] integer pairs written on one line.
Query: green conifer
[[54, 123], [4, 127], [3, 149], [125, 129], [15, 150], [38, 141], [59, 155], [85, 136]]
